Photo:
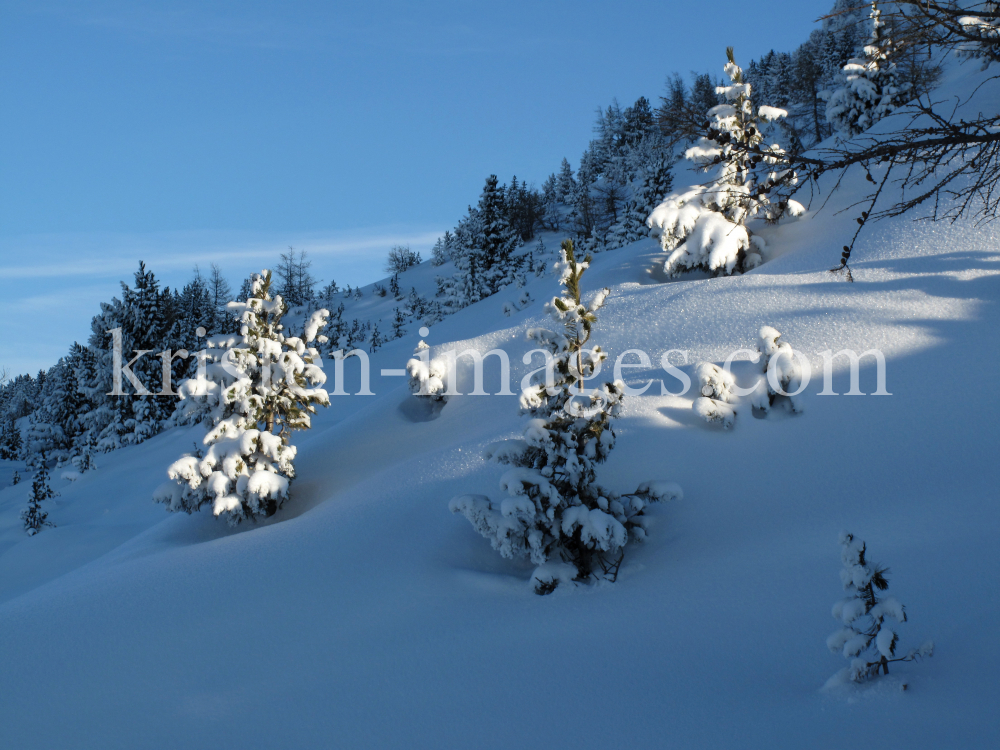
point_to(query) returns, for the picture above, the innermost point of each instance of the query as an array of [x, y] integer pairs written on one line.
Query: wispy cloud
[[55, 282], [100, 254]]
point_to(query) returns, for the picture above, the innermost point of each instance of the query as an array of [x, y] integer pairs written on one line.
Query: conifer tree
[[10, 442], [716, 388], [565, 183], [415, 304], [273, 386], [377, 341], [54, 425], [427, 378], [337, 330], [105, 419], [16, 479], [439, 253], [94, 413], [867, 638], [705, 227], [654, 184], [398, 321], [142, 317], [328, 293], [868, 88], [583, 213], [196, 310], [353, 333], [84, 462], [498, 237], [782, 373], [557, 515], [631, 228], [33, 516]]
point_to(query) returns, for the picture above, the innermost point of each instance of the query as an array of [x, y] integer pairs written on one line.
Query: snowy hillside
[[365, 614]]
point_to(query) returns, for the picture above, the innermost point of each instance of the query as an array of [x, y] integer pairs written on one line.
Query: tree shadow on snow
[[421, 409]]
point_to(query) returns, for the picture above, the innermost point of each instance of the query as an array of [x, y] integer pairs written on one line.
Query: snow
[[363, 614], [661, 490], [715, 411], [771, 113], [886, 642]]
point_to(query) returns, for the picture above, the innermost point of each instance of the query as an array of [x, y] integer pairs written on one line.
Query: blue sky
[[193, 132]]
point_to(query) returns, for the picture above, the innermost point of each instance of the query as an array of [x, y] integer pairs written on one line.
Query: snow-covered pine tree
[[94, 368], [55, 423], [143, 317], [523, 300], [428, 377], [394, 287], [549, 188], [398, 321], [583, 214], [377, 340], [631, 228], [439, 253], [781, 368], [499, 239], [353, 335], [557, 515], [415, 304], [565, 183], [94, 411], [10, 441], [16, 478], [705, 227], [866, 638], [716, 387], [275, 386], [33, 516], [17, 397], [335, 330], [550, 211], [433, 313], [84, 461], [538, 258], [195, 313], [202, 397], [654, 184], [148, 322], [868, 88], [329, 292]]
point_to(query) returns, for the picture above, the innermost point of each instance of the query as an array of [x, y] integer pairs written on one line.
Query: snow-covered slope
[[364, 614]]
